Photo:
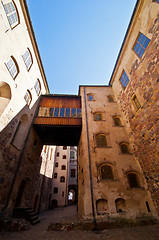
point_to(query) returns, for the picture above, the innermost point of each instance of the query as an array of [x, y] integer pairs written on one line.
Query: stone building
[[117, 133]]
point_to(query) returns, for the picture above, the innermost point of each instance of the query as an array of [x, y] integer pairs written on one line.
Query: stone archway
[[5, 96]]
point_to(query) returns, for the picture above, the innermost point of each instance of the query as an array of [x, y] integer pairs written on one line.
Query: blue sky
[[79, 40]]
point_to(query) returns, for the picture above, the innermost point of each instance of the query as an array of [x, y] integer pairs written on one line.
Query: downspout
[[19, 162], [89, 158]]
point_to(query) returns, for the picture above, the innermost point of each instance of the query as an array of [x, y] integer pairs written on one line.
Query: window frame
[[137, 185], [119, 121], [127, 146], [98, 144], [14, 12], [90, 97], [26, 60], [95, 115], [136, 102], [125, 79], [62, 179], [28, 93], [142, 46], [37, 87], [14, 65]]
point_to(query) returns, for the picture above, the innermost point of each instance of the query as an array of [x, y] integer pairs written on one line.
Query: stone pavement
[[69, 214]]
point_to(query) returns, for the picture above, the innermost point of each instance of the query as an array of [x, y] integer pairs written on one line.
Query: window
[[63, 167], [106, 172], [12, 67], [62, 179], [73, 173], [63, 193], [101, 140], [136, 103], [62, 111], [57, 154], [56, 112], [37, 87], [110, 98], [28, 97], [56, 164], [157, 1], [11, 13], [67, 112], [117, 121], [73, 112], [79, 112], [124, 148], [97, 116], [51, 110], [72, 155], [64, 147], [90, 97], [133, 180], [124, 79], [27, 59], [141, 44], [55, 175], [55, 190], [64, 156]]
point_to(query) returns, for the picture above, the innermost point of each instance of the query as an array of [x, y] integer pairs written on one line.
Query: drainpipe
[[89, 158], [19, 162]]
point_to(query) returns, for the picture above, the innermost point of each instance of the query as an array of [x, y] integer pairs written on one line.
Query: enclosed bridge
[[59, 120]]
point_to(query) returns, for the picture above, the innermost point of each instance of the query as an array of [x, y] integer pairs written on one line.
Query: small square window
[[141, 44], [90, 97], [97, 117]]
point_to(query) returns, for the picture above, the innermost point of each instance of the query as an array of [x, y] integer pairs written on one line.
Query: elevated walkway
[[59, 120]]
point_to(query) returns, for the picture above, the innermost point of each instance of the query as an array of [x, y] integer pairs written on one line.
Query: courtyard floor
[[69, 214]]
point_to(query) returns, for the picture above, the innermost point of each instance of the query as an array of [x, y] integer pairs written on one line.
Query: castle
[[115, 127]]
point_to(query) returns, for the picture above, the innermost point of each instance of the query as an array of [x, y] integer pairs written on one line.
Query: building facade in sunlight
[[115, 127]]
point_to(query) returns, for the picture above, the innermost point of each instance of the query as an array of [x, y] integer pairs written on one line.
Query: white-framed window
[[11, 12], [28, 97], [37, 87], [12, 67], [27, 59]]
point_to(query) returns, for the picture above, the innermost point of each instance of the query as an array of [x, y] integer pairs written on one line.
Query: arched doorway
[[72, 195], [5, 96]]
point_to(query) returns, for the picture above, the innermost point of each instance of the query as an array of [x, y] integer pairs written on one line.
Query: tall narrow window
[[124, 79], [62, 111], [56, 112], [73, 173], [72, 155], [55, 175], [124, 148], [12, 67], [73, 112], [79, 112], [101, 140], [117, 121], [37, 87], [27, 59], [136, 102], [141, 44], [56, 164], [55, 190], [133, 180], [11, 13], [28, 97], [67, 112]]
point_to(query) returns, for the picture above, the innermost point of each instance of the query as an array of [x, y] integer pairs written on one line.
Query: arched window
[[133, 180], [124, 148], [106, 172], [55, 175], [63, 167], [37, 87], [117, 121], [28, 97], [101, 140], [12, 67], [27, 59], [62, 179], [120, 205], [101, 206], [97, 116], [11, 13], [5, 96], [55, 190]]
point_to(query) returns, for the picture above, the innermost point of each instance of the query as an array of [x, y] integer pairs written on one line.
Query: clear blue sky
[[79, 40]]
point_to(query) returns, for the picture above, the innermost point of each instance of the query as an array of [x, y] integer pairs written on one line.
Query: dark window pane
[[51, 112], [62, 112], [73, 112], [56, 112], [78, 112], [106, 172], [67, 112]]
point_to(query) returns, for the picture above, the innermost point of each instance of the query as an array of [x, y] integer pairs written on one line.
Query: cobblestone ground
[[69, 214]]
